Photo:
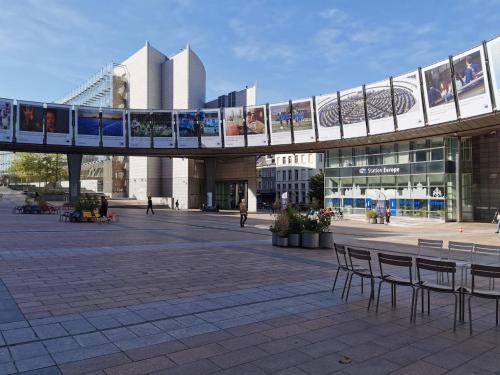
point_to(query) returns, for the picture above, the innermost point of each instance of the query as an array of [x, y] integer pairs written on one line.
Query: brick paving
[[192, 293]]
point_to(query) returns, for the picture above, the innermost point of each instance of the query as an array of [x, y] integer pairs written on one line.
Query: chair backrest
[[429, 244], [86, 214], [440, 266], [360, 254], [460, 247], [341, 254], [479, 270], [395, 260], [486, 249]]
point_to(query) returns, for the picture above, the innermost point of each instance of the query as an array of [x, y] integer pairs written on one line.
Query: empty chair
[[401, 262], [342, 265], [440, 267], [435, 245], [490, 272], [488, 251], [462, 250], [361, 272]]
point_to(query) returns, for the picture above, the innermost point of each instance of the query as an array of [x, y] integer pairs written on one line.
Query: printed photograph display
[[234, 131], [113, 128], [163, 133], [187, 129], [30, 122], [87, 125], [379, 107], [494, 59], [6, 119], [408, 101], [210, 128], [58, 124], [256, 125], [353, 112], [327, 110], [139, 129], [281, 128], [303, 121], [472, 90], [439, 95]]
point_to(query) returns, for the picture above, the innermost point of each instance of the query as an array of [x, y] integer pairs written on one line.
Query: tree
[[317, 189], [47, 168]]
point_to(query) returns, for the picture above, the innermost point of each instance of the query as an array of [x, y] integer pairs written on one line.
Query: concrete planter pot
[[326, 240], [275, 238], [380, 220], [373, 220], [310, 240], [294, 239], [282, 241]]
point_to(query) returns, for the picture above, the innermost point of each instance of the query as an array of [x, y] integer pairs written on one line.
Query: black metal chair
[[490, 272], [342, 265], [401, 262], [436, 250], [362, 272], [488, 250], [440, 267]]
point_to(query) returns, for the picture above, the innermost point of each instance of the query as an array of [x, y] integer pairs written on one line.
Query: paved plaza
[[184, 292]]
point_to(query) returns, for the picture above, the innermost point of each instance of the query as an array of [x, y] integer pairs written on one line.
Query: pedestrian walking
[[243, 213], [103, 210], [497, 219], [176, 204], [150, 205], [387, 215]]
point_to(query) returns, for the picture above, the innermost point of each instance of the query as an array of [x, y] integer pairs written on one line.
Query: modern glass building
[[415, 178]]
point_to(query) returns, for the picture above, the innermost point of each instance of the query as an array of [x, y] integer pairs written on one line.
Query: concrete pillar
[[458, 175], [210, 170], [74, 168]]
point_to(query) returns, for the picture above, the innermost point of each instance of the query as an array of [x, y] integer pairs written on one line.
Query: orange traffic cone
[[461, 229]]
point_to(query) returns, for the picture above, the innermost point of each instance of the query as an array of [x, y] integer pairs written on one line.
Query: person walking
[[150, 205], [387, 215], [243, 212], [177, 204], [103, 210], [497, 218]]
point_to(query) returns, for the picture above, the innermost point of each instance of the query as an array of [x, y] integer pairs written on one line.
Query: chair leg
[[395, 295], [335, 280], [470, 315], [372, 294], [497, 312], [428, 302], [455, 315], [345, 283], [415, 306], [362, 285], [412, 303], [349, 287], [378, 294]]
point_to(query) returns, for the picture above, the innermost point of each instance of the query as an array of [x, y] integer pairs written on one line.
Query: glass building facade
[[414, 178]]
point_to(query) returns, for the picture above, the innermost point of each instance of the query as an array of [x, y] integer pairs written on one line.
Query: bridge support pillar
[[210, 169], [74, 168]]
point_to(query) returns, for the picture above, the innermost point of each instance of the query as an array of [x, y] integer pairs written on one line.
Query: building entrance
[[229, 194]]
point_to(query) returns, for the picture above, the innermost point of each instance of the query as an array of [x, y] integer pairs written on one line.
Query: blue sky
[[291, 49]]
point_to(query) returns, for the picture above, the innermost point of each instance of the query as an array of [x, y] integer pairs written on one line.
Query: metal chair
[[342, 265], [429, 244], [494, 251], [490, 272], [438, 266], [465, 248], [397, 261], [363, 273]]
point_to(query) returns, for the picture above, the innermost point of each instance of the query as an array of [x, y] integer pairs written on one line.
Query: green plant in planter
[[372, 214], [295, 222], [325, 219], [312, 223], [280, 224], [87, 203]]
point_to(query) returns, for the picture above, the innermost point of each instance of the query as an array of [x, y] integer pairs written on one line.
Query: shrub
[[87, 203], [312, 223], [295, 222], [280, 224], [372, 214]]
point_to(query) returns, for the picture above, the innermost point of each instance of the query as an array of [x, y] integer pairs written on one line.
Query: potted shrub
[[325, 236], [310, 235], [295, 227], [280, 229], [372, 216]]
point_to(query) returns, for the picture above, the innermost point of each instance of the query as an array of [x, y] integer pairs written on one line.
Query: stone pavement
[[192, 293]]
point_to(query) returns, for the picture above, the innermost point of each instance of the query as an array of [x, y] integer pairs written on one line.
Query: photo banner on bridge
[[408, 101], [439, 95], [187, 129], [379, 107], [87, 126], [494, 60], [303, 121], [281, 127], [327, 112], [471, 83], [113, 127], [353, 112], [139, 128], [163, 131], [210, 128], [234, 131], [6, 119], [256, 125], [58, 124], [30, 122]]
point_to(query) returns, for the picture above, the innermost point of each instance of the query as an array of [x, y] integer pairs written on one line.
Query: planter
[[326, 240], [294, 239], [275, 238], [380, 220], [282, 241], [310, 240], [373, 220]]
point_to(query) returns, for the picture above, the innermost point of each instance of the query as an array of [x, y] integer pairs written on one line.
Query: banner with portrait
[[58, 124], [303, 121], [408, 101], [30, 118], [327, 111], [113, 127], [6, 119], [234, 130], [187, 129], [494, 60], [163, 131], [281, 123], [87, 126], [210, 128], [439, 95], [256, 125], [379, 107], [139, 128], [471, 83], [352, 112]]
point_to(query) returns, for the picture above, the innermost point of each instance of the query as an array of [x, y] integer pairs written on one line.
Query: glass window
[[278, 186], [303, 157], [283, 160], [296, 158], [296, 174], [284, 175], [388, 154], [289, 174], [403, 152], [303, 186], [296, 186], [289, 160]]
